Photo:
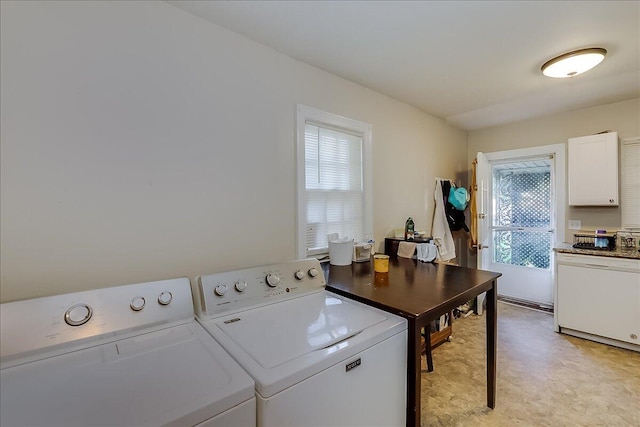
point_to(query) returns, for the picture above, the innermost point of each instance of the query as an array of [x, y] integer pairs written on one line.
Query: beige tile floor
[[544, 378]]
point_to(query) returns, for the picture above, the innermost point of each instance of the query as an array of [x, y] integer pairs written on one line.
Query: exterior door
[[522, 227], [520, 202]]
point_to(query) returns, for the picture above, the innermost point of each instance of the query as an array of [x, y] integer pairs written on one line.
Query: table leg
[[413, 375], [427, 347], [492, 342]]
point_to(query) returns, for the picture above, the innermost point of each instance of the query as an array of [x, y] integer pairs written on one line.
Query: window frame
[[630, 207], [318, 117]]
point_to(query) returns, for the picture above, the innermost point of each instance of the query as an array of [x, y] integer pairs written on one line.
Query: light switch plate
[[575, 224]]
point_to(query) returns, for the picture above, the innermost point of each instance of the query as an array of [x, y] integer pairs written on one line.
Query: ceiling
[[473, 63]]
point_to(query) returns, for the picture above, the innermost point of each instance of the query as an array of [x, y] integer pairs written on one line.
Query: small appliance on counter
[[628, 240], [594, 240], [362, 251]]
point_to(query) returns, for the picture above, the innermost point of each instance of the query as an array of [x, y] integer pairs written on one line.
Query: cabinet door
[[599, 301], [593, 170]]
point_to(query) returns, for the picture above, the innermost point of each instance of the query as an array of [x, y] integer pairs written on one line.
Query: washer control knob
[[241, 286], [273, 280], [78, 314], [137, 303], [299, 274], [165, 298], [313, 272], [220, 290]]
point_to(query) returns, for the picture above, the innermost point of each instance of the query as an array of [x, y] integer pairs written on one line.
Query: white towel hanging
[[440, 229]]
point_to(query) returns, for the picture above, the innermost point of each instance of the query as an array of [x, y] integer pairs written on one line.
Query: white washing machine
[[317, 359], [124, 356]]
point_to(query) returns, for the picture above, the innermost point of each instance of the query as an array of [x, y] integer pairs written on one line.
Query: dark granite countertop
[[566, 248]]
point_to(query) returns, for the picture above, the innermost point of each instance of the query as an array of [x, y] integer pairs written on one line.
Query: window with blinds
[[630, 183], [334, 191]]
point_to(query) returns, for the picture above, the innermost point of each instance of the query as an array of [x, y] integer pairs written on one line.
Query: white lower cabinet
[[598, 298]]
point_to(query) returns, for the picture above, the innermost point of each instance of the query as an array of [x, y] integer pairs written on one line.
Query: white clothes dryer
[[318, 359], [123, 356]]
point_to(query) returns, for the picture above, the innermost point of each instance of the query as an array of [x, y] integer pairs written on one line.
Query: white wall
[[139, 142], [623, 117]]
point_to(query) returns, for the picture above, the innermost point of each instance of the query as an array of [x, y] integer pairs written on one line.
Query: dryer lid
[[278, 333]]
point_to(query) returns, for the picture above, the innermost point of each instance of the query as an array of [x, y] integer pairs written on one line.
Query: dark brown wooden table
[[420, 292]]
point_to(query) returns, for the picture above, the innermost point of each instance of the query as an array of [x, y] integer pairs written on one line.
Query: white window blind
[[333, 191], [630, 183]]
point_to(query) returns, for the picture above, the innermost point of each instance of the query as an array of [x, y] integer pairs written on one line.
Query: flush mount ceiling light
[[573, 63]]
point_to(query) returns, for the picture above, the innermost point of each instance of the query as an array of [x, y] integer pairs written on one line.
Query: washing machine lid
[[287, 342], [278, 333], [173, 376]]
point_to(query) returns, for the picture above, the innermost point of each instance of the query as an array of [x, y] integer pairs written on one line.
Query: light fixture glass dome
[[573, 63]]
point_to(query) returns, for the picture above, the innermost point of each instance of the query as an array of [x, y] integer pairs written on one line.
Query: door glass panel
[[522, 195], [522, 217], [524, 248]]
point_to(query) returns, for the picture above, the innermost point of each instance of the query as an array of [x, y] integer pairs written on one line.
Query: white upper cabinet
[[593, 170]]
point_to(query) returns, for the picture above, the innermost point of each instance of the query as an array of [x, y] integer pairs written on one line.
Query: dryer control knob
[[313, 272], [241, 286], [220, 290], [137, 303], [272, 280], [165, 298], [78, 314], [299, 274]]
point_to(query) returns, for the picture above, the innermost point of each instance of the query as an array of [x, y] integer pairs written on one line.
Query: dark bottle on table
[[409, 229]]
